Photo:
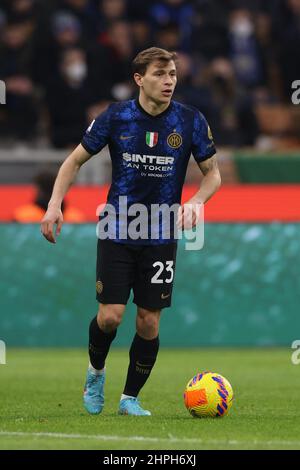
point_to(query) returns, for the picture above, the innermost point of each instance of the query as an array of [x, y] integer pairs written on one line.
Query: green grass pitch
[[41, 402]]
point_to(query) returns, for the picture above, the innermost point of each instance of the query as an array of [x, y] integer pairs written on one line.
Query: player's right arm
[[94, 140], [65, 177]]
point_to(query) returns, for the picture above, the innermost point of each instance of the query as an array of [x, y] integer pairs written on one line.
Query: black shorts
[[148, 270]]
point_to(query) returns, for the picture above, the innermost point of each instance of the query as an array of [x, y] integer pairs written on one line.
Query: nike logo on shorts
[[165, 296]]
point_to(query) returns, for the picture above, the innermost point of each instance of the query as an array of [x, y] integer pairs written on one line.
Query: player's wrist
[[54, 205], [198, 199]]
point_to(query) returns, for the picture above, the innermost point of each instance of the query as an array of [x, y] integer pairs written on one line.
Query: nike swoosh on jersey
[[125, 137]]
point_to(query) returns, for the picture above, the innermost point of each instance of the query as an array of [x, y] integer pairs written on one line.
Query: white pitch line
[[170, 439]]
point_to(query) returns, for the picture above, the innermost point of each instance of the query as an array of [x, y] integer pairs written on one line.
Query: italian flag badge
[[151, 138]]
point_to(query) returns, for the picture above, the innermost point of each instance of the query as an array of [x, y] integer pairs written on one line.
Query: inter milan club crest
[[174, 140], [151, 138]]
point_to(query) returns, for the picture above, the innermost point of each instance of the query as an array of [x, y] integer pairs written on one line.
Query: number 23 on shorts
[[163, 269]]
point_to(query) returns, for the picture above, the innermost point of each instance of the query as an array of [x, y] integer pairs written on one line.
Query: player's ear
[[138, 79]]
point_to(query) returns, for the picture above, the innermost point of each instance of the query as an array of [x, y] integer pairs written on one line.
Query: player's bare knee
[[148, 322], [110, 316], [144, 312], [109, 322]]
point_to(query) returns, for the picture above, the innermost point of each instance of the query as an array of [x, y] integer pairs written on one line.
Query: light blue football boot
[[131, 407], [93, 396]]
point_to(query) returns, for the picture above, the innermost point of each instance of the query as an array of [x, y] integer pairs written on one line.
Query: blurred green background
[[241, 289]]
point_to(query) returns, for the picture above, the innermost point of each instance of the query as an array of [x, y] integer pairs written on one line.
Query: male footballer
[[150, 140]]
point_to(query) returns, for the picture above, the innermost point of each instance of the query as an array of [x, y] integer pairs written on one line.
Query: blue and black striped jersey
[[149, 154]]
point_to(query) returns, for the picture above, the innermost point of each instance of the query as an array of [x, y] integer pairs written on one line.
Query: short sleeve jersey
[[149, 154]]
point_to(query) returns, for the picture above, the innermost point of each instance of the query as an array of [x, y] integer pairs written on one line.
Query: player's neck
[[151, 107]]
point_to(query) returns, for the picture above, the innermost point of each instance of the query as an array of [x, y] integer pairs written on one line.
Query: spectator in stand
[[270, 89], [139, 10], [109, 58], [19, 118], [86, 13], [64, 32], [68, 97], [118, 41], [168, 37], [67, 30], [260, 39], [34, 211], [141, 35], [244, 49], [230, 110], [20, 10], [190, 88], [178, 12], [286, 31], [210, 29], [3, 21], [110, 12]]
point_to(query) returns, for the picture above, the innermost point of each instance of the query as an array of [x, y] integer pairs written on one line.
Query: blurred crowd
[[63, 61]]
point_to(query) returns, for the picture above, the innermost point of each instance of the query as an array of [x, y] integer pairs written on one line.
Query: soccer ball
[[208, 395]]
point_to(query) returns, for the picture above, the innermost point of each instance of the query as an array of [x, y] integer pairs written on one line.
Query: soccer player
[[150, 141]]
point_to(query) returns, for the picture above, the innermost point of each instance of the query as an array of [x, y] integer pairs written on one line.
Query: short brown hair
[[146, 57]]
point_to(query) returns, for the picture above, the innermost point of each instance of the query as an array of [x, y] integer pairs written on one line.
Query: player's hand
[[53, 216], [189, 214]]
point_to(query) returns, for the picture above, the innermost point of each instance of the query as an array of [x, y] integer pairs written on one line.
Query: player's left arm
[[189, 213], [211, 180]]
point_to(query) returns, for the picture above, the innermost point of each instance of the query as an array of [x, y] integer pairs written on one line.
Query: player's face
[[159, 81]]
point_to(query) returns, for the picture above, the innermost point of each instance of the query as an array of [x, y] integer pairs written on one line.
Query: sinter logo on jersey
[[174, 140], [148, 162]]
